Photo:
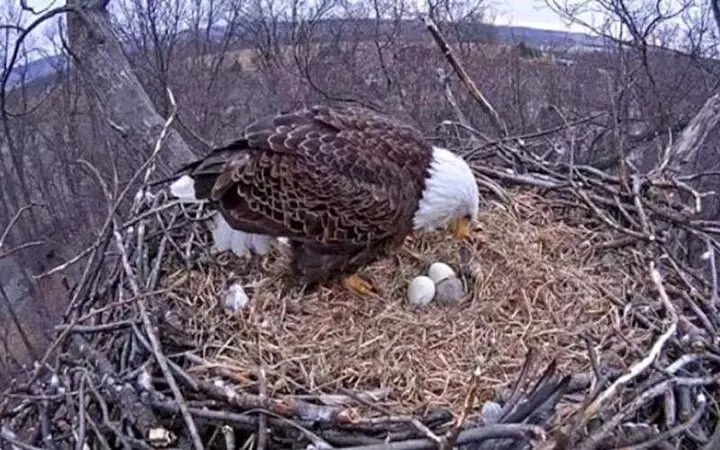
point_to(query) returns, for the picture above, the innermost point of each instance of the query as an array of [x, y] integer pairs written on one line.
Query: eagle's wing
[[344, 177]]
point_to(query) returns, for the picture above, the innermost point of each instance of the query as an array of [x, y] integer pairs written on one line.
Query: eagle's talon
[[358, 285]]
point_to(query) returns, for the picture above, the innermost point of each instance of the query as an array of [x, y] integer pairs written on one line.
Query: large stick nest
[[585, 327], [533, 282]]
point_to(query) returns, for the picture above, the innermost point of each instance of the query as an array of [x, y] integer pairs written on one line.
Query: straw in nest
[[532, 282]]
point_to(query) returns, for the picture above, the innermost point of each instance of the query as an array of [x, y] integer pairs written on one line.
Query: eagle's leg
[[316, 264], [358, 285]]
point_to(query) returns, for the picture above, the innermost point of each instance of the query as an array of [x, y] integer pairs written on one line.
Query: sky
[[526, 13], [530, 13]]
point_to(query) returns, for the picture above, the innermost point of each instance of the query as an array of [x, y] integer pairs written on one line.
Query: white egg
[[439, 271], [421, 291]]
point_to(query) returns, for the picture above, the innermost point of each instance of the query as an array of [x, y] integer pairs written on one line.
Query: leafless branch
[[464, 77], [643, 364]]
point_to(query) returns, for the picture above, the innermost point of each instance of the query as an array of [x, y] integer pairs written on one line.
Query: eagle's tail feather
[[184, 189], [197, 179]]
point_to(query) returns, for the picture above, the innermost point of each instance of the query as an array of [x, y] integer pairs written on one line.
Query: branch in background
[[9, 227], [715, 4], [47, 15], [497, 122], [450, 97], [20, 248], [18, 323]]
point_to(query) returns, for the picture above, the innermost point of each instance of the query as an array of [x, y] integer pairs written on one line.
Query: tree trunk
[[106, 72]]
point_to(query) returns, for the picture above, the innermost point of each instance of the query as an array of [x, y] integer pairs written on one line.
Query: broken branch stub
[[685, 148]]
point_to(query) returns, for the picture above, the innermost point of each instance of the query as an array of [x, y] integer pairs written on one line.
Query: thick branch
[[464, 77], [475, 435], [694, 135]]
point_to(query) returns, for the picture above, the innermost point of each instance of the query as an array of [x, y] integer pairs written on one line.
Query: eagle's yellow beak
[[460, 228]]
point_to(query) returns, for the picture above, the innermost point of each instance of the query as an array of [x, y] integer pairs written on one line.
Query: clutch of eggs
[[440, 284]]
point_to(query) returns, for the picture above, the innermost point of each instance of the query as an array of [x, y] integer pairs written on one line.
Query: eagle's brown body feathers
[[342, 184]]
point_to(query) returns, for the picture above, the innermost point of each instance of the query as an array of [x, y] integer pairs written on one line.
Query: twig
[[13, 221], [495, 431], [670, 408], [595, 363], [448, 441], [113, 389], [149, 164], [464, 77], [686, 359], [45, 426], [110, 326], [79, 445], [636, 183], [21, 247], [522, 378], [674, 431], [183, 376], [262, 419], [596, 438], [450, 97], [714, 442], [241, 421], [596, 383], [643, 364], [388, 415], [229, 435], [714, 297], [317, 441], [157, 350], [5, 436], [281, 407], [67, 263]]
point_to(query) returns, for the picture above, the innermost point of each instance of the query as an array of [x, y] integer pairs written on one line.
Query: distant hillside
[[36, 70], [547, 39], [44, 69], [361, 29]]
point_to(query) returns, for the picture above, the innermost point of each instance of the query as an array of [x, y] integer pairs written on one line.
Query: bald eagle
[[343, 185]]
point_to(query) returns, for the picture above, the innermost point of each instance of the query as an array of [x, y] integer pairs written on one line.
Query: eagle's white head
[[450, 198]]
